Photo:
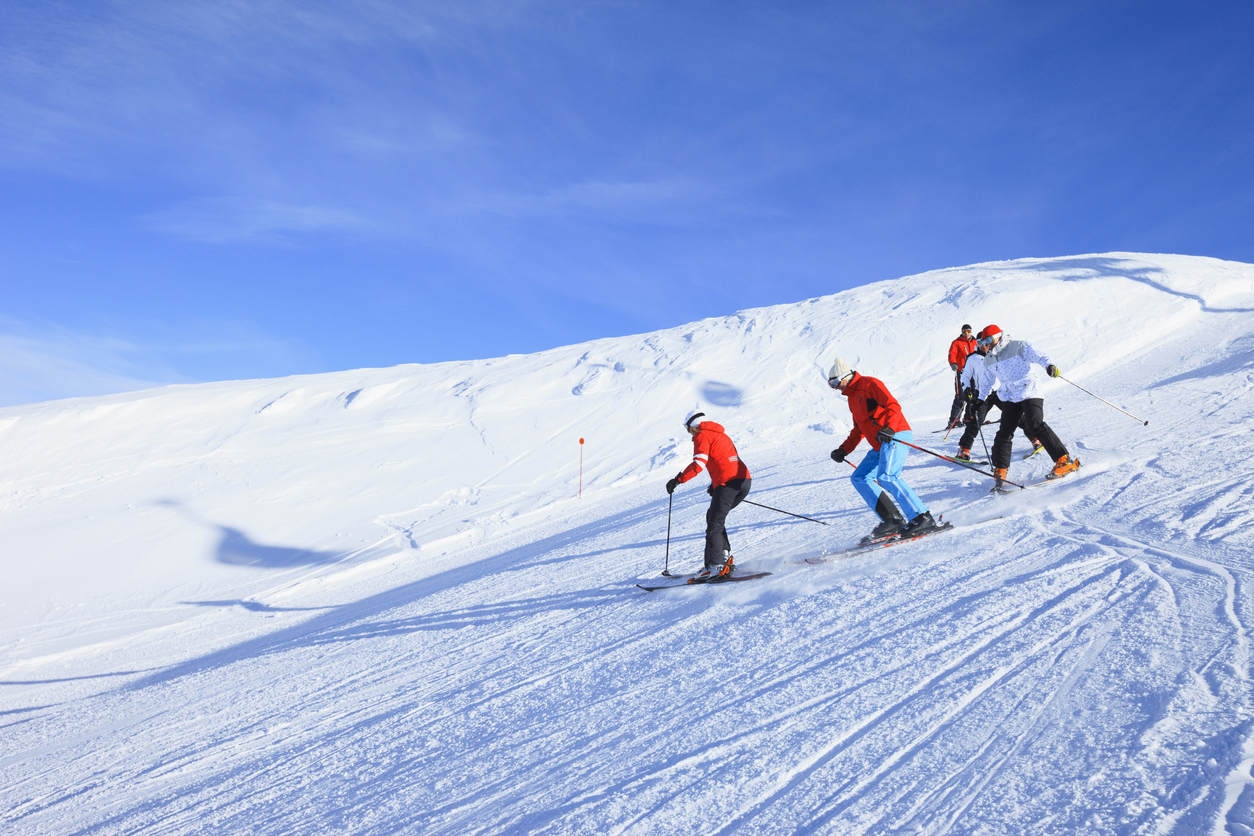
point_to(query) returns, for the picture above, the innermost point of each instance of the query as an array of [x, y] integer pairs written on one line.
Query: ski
[[1035, 450], [877, 543], [947, 429], [695, 581]]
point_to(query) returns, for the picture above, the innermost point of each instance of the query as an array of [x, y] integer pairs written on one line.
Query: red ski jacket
[[873, 407], [959, 350], [712, 448]]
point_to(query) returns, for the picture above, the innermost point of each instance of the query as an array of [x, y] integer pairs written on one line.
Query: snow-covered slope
[[403, 600]]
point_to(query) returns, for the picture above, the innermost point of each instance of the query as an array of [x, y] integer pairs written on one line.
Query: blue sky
[[206, 191]]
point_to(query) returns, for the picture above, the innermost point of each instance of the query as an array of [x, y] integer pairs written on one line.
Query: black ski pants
[[976, 413], [722, 500], [1031, 414], [955, 408]]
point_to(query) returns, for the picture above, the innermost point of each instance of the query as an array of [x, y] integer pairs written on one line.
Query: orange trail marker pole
[[581, 467]]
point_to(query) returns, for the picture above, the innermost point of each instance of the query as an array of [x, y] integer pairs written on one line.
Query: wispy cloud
[[42, 361], [676, 200], [246, 221], [270, 101], [64, 364]]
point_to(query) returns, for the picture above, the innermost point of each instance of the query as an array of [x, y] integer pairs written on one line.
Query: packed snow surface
[[404, 600]]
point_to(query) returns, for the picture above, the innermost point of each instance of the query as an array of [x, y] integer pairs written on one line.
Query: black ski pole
[[788, 513], [1103, 400], [987, 454], [952, 460], [979, 422], [666, 562]]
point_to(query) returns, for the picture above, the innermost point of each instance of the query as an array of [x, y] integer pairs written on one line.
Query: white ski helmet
[[693, 420]]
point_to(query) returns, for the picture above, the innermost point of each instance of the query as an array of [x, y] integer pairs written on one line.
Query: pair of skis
[[874, 543], [693, 580]]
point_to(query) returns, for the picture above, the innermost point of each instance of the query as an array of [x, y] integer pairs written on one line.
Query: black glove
[[838, 455], [885, 435], [670, 486], [971, 394], [1052, 370]]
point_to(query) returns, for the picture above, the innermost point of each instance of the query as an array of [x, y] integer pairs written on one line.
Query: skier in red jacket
[[712, 449], [877, 417], [959, 350]]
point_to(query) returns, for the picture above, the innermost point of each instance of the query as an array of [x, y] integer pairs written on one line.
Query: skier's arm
[[968, 375], [1033, 356], [851, 441], [700, 458]]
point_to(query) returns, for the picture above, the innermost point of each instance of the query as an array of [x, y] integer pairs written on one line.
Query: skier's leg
[[892, 459], [1033, 421], [1002, 442], [741, 488], [863, 479], [716, 524]]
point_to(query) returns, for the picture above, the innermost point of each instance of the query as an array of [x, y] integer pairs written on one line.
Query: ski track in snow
[[1072, 658]]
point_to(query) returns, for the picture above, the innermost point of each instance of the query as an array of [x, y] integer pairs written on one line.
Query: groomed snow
[[403, 600]]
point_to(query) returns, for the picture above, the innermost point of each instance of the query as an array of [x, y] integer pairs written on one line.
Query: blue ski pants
[[882, 469]]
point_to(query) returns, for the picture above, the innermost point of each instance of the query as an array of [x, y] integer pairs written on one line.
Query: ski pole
[[952, 460], [979, 423], [1103, 400], [788, 513], [957, 418], [666, 562], [984, 441]]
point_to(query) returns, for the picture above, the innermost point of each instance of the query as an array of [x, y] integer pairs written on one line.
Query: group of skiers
[[999, 373], [990, 369]]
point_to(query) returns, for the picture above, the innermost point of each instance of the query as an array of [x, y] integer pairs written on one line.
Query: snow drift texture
[[404, 599]]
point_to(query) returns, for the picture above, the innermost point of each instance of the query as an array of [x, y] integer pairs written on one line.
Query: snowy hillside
[[404, 600]]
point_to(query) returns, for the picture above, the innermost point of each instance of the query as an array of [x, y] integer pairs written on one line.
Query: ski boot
[[891, 520], [1063, 466], [921, 524]]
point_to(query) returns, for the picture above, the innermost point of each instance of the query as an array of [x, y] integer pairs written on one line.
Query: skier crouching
[[877, 417]]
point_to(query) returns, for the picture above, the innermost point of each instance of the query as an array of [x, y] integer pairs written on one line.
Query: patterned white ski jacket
[[1010, 364]]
